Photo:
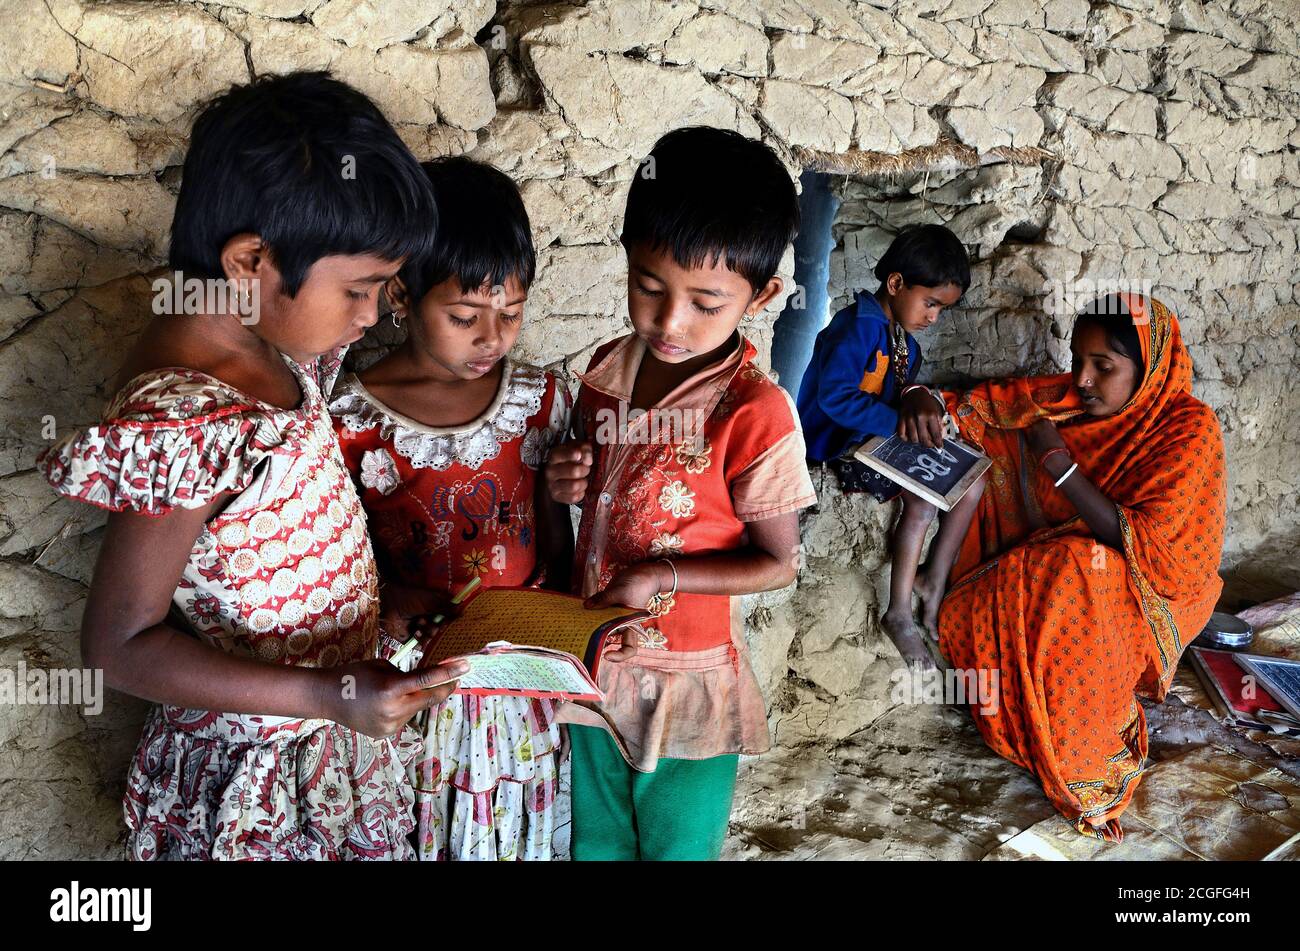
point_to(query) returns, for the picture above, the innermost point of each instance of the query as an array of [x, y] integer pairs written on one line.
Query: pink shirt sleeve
[[776, 482]]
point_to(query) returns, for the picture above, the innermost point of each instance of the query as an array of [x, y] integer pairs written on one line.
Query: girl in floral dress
[[236, 585], [445, 436]]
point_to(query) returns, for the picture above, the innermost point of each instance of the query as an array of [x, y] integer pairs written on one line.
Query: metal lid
[[1226, 631]]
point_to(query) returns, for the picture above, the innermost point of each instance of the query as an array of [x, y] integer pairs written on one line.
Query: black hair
[[307, 163], [706, 194], [1111, 314], [926, 255], [485, 236]]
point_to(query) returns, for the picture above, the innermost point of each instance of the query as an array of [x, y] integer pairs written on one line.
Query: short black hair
[[485, 236], [928, 255], [1111, 314], [706, 194], [307, 163]]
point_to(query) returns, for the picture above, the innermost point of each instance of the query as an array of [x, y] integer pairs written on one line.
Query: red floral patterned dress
[[284, 573], [447, 504]]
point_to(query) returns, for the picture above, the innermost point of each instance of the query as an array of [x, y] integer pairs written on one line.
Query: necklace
[[900, 354]]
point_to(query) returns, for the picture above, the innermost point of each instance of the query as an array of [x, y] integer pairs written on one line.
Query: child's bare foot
[[932, 644], [931, 591], [911, 646]]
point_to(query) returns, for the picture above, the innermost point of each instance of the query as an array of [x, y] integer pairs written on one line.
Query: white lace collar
[[437, 447]]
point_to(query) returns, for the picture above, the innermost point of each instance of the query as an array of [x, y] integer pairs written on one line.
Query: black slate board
[[938, 476]]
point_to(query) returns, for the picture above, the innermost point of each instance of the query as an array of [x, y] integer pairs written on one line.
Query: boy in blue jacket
[[861, 383]]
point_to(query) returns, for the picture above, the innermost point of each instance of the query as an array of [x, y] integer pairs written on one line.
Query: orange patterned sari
[[1074, 627]]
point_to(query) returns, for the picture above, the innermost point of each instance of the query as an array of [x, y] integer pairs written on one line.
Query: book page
[[530, 617], [519, 671]]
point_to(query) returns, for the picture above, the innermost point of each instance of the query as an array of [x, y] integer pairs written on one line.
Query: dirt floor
[[919, 783]]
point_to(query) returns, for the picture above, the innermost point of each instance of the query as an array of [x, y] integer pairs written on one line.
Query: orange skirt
[[1056, 620]]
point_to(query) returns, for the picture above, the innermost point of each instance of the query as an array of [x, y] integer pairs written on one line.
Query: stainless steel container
[[1225, 632]]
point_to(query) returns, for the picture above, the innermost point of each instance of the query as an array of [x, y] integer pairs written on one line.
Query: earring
[[396, 315]]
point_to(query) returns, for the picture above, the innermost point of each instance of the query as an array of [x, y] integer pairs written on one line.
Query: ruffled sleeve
[[171, 439]]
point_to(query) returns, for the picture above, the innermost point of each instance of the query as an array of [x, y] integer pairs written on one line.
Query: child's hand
[[374, 698], [633, 587], [628, 649], [1042, 437], [406, 611], [567, 472], [920, 420]]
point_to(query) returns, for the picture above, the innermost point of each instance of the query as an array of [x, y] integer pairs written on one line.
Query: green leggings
[[677, 813]]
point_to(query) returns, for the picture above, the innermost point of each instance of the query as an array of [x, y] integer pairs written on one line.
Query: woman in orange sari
[[1093, 557]]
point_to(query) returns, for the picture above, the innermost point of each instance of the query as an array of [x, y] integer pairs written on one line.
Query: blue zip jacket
[[848, 392]]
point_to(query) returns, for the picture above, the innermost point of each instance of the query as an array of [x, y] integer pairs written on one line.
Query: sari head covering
[[1076, 630], [1113, 440]]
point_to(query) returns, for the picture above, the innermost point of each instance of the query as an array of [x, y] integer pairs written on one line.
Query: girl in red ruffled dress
[[445, 437]]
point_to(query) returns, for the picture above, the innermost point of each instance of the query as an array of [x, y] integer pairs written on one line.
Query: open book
[[1240, 699], [1280, 675], [525, 642]]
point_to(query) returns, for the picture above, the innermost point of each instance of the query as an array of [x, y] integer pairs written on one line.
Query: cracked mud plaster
[[1173, 135]]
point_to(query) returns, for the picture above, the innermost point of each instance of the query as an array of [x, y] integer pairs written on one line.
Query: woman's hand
[[567, 470], [1042, 437], [375, 698], [920, 419], [1097, 510]]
